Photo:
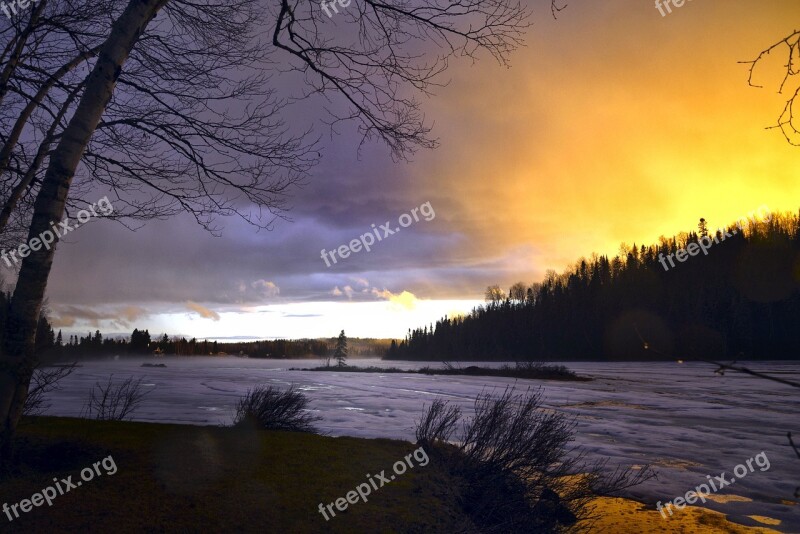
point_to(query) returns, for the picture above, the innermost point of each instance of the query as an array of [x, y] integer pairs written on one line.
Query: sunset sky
[[614, 124]]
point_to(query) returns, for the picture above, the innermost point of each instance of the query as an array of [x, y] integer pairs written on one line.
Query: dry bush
[[272, 409], [517, 471], [437, 423], [115, 401]]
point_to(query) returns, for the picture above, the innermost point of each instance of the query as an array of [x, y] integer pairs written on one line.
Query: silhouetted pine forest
[[54, 346], [740, 301]]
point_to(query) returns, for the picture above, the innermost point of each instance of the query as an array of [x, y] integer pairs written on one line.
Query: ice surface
[[682, 418]]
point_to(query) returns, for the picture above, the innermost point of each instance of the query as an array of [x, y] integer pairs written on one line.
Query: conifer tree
[[340, 353]]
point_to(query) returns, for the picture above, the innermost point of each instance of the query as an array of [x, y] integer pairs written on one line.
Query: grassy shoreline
[[184, 478]]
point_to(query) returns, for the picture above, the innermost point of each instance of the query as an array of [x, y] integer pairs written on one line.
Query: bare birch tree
[[170, 105]]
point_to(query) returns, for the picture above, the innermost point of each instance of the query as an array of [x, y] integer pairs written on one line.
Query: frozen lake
[[683, 419]]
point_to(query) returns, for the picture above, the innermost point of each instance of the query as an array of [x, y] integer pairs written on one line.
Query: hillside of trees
[[740, 301]]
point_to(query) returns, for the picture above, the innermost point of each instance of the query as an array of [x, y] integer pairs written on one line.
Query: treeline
[[141, 344], [740, 301], [301, 348], [51, 345], [363, 347], [278, 348]]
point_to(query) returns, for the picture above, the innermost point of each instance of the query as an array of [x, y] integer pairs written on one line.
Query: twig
[[796, 450], [732, 367], [722, 366]]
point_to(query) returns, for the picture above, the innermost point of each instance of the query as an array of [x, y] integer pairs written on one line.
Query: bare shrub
[[43, 381], [115, 401], [272, 409], [518, 473], [437, 423]]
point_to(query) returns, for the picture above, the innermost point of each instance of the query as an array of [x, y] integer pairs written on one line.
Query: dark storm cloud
[[176, 261]]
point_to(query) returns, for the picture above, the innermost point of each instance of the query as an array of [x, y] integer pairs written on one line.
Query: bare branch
[[370, 68], [721, 367], [114, 401], [43, 381], [787, 120]]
